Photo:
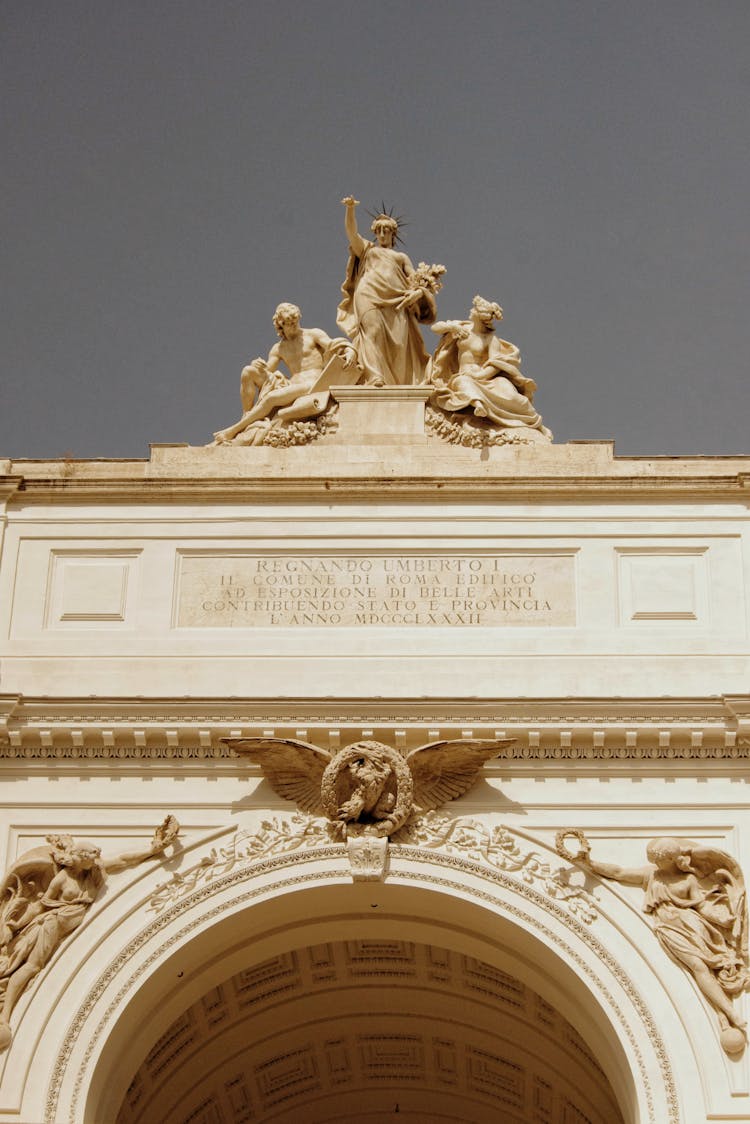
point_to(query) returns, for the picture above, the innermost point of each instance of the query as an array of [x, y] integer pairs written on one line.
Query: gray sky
[[173, 170]]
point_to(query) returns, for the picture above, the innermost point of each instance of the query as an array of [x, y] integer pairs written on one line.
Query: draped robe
[[388, 340], [496, 389]]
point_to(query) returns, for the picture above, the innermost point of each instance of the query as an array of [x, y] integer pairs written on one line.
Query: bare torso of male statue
[[302, 354]]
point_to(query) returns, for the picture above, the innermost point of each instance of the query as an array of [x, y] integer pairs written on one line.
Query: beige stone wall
[[627, 703], [589, 582]]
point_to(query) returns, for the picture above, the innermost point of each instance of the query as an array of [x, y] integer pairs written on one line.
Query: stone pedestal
[[383, 415]]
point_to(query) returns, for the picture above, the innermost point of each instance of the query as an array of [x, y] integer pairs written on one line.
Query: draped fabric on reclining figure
[[474, 369], [494, 389]]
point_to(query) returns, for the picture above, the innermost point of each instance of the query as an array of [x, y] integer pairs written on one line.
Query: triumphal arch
[[381, 758]]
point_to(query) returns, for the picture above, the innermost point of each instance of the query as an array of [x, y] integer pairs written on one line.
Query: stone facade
[[587, 612]]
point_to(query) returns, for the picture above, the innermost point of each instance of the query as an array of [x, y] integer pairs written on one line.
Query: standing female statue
[[383, 304]]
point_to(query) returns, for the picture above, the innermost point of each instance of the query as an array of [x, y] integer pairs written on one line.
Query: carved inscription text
[[316, 590]]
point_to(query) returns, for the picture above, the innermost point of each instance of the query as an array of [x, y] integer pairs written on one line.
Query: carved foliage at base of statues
[[474, 433], [282, 435]]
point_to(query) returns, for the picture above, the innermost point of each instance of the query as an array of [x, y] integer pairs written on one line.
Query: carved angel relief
[[695, 896], [367, 787], [44, 897]]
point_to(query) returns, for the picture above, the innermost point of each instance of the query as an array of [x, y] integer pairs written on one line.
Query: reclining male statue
[[315, 363]]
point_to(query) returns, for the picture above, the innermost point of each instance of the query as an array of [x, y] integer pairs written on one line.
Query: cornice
[[410, 469], [223, 489], [9, 484], [591, 733]]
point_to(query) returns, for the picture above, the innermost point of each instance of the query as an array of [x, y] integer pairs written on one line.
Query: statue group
[[478, 394]]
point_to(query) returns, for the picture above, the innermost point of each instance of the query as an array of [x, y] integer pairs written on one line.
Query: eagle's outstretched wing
[[444, 770], [293, 769]]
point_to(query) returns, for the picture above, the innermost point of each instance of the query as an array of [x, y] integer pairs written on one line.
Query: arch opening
[[314, 983], [373, 1029]]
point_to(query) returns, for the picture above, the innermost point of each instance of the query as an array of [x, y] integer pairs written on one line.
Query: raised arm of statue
[[631, 875], [356, 242], [165, 833], [456, 329]]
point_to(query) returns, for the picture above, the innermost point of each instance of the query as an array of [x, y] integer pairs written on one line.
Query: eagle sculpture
[[367, 782]]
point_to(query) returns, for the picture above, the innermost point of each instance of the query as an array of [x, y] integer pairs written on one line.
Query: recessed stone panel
[[89, 588], [663, 584]]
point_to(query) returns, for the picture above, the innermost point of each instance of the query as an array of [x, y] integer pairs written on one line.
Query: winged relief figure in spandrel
[[45, 895], [367, 782], [695, 896]]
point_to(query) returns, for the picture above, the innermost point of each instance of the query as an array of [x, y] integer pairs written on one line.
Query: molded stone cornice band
[[234, 474], [551, 730]]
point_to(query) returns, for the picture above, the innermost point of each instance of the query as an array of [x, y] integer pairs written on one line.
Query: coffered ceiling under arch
[[370, 1029]]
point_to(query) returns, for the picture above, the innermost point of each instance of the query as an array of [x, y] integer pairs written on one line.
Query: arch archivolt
[[287, 900]]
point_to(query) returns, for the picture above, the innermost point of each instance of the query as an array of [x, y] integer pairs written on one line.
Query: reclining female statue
[[45, 896], [473, 369]]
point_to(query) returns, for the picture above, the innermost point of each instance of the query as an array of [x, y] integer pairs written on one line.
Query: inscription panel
[[375, 590]]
